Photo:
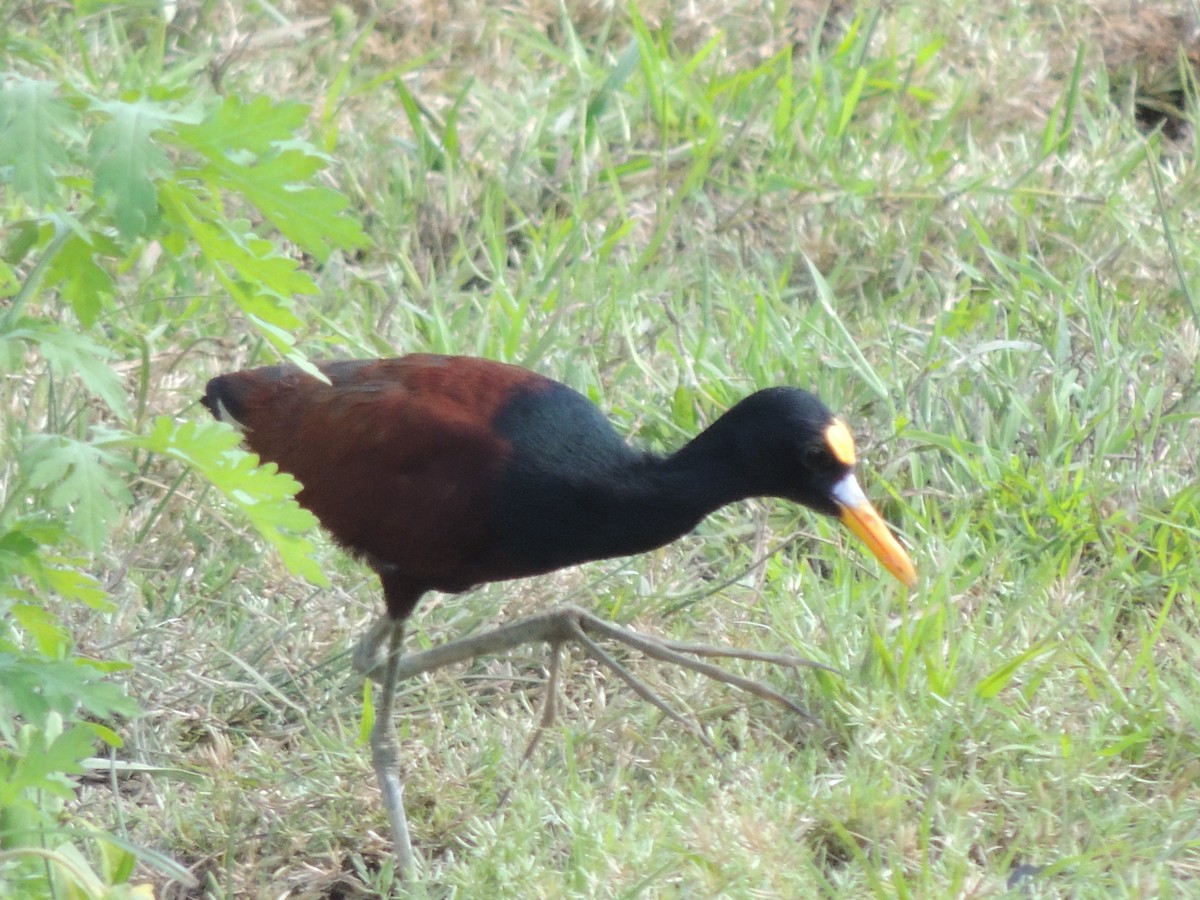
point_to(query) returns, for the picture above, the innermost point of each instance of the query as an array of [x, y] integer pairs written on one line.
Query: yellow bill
[[860, 516]]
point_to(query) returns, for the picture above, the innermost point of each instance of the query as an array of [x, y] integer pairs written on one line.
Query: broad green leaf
[[309, 216], [49, 634], [85, 488], [82, 282], [23, 557], [20, 237], [31, 687], [35, 127], [263, 493], [72, 354], [44, 761], [255, 127], [15, 545], [73, 584], [126, 160], [253, 259], [252, 150], [262, 282]]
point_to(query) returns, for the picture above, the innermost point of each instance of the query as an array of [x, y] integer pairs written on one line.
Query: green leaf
[[126, 159], [32, 687], [9, 283], [82, 282], [84, 485], [35, 125], [263, 493], [254, 260], [44, 761], [16, 545], [75, 355], [72, 584], [252, 149], [255, 127], [616, 79], [49, 634], [28, 573], [262, 282], [19, 239], [430, 150], [309, 216]]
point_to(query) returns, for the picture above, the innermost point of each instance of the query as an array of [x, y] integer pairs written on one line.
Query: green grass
[[934, 218]]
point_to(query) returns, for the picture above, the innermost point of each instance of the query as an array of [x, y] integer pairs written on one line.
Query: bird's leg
[[571, 623], [546, 719], [385, 751], [598, 653], [673, 652], [549, 702], [368, 658]]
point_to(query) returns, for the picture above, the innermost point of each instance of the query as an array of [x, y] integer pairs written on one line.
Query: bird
[[446, 472]]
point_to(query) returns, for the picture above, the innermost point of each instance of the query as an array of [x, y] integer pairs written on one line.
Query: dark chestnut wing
[[398, 457]]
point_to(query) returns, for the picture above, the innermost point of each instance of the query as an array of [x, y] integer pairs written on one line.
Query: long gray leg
[[565, 623], [557, 626], [385, 750]]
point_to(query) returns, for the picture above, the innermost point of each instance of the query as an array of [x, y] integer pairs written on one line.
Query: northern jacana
[[445, 472]]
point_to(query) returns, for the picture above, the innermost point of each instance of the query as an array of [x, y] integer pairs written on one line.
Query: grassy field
[[942, 218]]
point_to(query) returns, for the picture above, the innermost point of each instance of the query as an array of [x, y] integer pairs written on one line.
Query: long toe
[[370, 653]]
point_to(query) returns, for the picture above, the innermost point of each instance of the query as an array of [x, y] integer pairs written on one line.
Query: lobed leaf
[[126, 159], [263, 493], [251, 149], [85, 488], [262, 281], [34, 120], [83, 282], [237, 125], [74, 354], [32, 687]]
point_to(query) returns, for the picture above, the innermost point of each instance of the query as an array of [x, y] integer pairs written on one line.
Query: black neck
[[659, 499], [621, 502]]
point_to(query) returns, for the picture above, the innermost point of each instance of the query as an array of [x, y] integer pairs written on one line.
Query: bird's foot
[[571, 623]]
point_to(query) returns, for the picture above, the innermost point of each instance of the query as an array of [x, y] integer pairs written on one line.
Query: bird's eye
[[817, 457]]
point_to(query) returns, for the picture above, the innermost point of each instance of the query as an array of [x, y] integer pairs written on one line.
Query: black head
[[222, 399], [784, 442], [790, 445]]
